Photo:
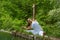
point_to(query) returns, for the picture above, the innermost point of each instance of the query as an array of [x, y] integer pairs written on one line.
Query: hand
[[23, 27]]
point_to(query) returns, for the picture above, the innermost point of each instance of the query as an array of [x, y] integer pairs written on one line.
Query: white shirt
[[37, 28], [35, 25]]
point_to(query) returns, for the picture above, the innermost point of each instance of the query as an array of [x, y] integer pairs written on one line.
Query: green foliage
[[53, 20], [8, 23], [14, 13]]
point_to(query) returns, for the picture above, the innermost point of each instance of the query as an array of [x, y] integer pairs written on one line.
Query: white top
[[35, 25]]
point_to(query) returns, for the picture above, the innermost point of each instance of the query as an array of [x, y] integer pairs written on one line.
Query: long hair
[[29, 24]]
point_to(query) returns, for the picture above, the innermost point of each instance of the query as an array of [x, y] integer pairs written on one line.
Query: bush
[[53, 23]]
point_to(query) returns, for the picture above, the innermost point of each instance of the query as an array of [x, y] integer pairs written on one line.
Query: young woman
[[33, 24]]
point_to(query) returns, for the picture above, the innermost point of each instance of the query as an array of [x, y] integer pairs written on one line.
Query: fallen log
[[24, 36]]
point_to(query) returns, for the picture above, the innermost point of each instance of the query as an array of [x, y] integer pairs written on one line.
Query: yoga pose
[[34, 27]]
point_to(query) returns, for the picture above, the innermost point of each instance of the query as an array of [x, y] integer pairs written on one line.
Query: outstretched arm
[[28, 28]]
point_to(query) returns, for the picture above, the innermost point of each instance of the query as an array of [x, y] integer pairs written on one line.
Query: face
[[29, 21]]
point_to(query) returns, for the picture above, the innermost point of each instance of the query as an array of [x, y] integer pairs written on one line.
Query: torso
[[35, 25]]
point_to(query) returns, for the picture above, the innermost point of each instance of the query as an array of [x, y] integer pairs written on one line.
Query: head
[[29, 20]]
